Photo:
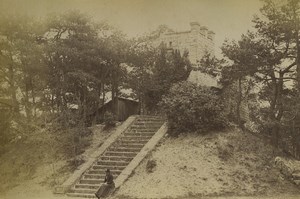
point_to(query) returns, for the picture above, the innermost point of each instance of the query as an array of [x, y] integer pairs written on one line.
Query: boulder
[[290, 168]]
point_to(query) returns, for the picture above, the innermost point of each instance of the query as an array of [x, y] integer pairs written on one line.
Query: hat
[[107, 170]]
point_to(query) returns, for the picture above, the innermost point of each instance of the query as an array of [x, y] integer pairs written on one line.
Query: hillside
[[230, 163], [30, 171], [226, 163]]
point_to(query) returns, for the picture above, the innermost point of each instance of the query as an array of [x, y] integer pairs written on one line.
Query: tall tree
[[72, 57], [270, 55], [154, 71], [21, 60]]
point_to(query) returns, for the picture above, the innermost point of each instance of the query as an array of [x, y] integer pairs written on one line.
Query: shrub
[[151, 164], [225, 151], [192, 108], [109, 120]]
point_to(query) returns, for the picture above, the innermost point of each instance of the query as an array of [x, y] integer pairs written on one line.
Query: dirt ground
[[230, 163]]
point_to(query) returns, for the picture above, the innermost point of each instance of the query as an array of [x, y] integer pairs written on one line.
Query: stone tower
[[197, 41]]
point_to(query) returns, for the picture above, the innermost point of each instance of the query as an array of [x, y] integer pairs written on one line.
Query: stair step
[[133, 141], [151, 127], [102, 171], [143, 138], [111, 167], [93, 176], [112, 163], [137, 146], [149, 119], [147, 125], [140, 122], [100, 177], [123, 153], [82, 195], [147, 134], [123, 149], [92, 181], [82, 190], [150, 116], [116, 158], [141, 130], [87, 186]]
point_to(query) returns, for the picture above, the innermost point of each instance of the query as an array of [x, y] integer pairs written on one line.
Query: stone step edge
[[149, 146], [82, 195], [76, 176], [82, 190], [109, 158], [124, 153], [98, 186]]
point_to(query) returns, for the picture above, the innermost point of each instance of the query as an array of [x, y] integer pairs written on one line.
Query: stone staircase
[[116, 158]]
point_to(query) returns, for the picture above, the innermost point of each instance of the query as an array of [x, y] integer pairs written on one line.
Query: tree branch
[[288, 68]]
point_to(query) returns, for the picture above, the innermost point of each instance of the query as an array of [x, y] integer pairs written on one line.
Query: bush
[[192, 108], [109, 120], [151, 164]]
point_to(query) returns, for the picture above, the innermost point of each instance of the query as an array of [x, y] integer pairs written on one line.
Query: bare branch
[[288, 68]]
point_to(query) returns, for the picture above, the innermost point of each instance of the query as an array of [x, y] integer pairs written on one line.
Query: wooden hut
[[122, 108]]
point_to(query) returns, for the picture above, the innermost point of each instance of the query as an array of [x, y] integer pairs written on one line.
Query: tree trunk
[[298, 61], [279, 107], [33, 98], [296, 22], [84, 116], [272, 114], [98, 104], [276, 134], [239, 102], [13, 90], [27, 103], [52, 102], [33, 102], [141, 111], [103, 93]]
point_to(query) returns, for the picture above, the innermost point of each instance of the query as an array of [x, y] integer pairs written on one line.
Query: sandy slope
[[228, 163]]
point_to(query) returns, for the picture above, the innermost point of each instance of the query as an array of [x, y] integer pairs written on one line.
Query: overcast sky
[[227, 18]]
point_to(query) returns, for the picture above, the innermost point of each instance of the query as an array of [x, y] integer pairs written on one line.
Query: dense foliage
[[153, 73], [192, 108], [55, 72], [262, 70]]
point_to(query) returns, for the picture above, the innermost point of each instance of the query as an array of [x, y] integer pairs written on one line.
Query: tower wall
[[197, 41]]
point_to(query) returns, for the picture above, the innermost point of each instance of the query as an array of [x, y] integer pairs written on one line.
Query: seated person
[[107, 187]]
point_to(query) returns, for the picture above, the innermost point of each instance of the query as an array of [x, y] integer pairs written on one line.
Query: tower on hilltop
[[197, 41]]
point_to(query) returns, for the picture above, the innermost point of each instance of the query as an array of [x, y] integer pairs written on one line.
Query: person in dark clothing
[[107, 187], [109, 179]]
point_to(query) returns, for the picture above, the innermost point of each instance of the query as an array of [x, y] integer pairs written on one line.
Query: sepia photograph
[[150, 99]]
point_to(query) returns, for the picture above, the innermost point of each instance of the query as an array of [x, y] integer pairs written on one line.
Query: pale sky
[[227, 18]]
